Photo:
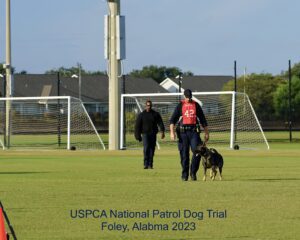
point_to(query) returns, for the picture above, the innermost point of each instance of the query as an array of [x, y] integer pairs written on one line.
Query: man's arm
[[173, 120], [172, 132], [161, 125], [203, 122], [206, 134], [201, 116], [138, 128]]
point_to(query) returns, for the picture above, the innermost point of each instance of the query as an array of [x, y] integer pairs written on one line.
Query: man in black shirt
[[146, 125], [188, 116]]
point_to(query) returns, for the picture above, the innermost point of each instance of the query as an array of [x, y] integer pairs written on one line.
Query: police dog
[[210, 159]]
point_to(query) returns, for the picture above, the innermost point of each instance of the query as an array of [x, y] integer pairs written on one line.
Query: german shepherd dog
[[210, 159]]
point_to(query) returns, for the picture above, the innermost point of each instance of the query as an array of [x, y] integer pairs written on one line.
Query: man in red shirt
[[188, 116]]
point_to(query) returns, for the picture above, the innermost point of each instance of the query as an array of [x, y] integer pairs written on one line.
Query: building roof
[[197, 83], [94, 88]]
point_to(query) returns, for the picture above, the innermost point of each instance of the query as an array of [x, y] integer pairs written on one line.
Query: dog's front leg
[[211, 173], [204, 169], [214, 172]]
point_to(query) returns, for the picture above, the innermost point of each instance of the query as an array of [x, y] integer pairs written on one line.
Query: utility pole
[[79, 81], [58, 111], [290, 102], [4, 110], [8, 72], [235, 118], [114, 72], [179, 77], [235, 77], [124, 114], [180, 81]]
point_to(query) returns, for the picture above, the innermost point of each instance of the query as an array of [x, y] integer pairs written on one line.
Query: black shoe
[[184, 178], [149, 167], [193, 178], [145, 167]]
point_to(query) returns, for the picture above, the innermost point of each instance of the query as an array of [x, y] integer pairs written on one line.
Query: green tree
[[260, 89], [158, 73], [281, 98], [2, 69], [295, 70], [68, 72]]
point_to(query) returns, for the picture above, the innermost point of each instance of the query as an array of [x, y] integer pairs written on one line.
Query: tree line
[[157, 73], [268, 93]]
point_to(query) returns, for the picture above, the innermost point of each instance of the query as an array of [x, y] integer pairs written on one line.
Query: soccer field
[[44, 192]]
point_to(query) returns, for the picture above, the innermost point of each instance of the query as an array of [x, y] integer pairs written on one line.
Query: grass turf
[[260, 193]]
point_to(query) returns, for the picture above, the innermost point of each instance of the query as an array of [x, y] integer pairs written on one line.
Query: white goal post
[[47, 122], [230, 115]]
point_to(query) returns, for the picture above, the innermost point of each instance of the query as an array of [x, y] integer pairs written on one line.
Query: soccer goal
[[231, 118], [47, 122]]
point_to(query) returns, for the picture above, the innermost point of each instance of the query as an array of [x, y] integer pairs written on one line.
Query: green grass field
[[259, 192]]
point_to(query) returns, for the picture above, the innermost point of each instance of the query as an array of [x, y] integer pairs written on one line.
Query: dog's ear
[[199, 147], [198, 150], [204, 150]]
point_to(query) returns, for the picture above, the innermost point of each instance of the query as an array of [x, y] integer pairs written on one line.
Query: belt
[[188, 128]]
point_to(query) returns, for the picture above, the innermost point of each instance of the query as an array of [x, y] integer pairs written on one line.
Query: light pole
[[179, 77], [290, 105], [2, 76], [7, 64], [7, 67], [76, 76], [235, 77], [114, 66], [4, 110], [79, 80]]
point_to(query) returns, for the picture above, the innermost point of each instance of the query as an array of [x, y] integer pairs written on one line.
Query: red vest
[[189, 115]]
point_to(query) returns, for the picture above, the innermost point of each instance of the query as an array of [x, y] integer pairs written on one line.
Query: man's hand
[[172, 132], [206, 134], [173, 136], [206, 137], [162, 135]]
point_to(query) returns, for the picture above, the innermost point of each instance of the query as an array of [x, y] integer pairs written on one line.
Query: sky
[[201, 36]]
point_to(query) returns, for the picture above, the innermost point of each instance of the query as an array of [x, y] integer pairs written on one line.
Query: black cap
[[188, 93]]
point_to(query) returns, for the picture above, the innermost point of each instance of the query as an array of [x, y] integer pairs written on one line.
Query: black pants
[[149, 141], [189, 139]]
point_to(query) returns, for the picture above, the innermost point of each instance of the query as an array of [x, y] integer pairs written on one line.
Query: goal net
[[231, 118], [47, 122]]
